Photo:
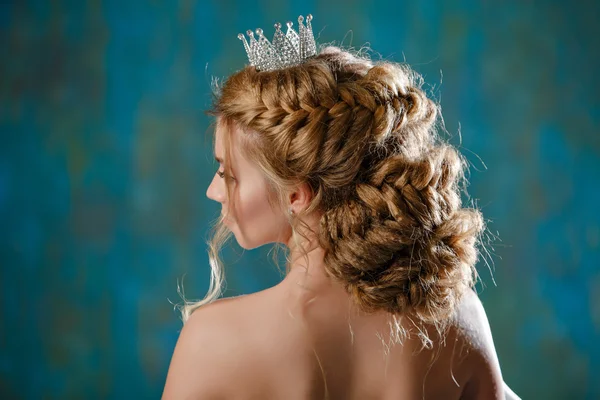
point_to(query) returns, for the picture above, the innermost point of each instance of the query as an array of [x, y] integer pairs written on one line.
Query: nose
[[216, 190]]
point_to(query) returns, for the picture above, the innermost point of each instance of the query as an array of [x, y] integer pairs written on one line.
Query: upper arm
[[206, 357]]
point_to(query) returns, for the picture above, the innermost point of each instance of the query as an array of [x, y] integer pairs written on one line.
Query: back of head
[[363, 136]]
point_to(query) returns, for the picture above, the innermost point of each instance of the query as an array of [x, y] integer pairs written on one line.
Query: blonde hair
[[364, 136]]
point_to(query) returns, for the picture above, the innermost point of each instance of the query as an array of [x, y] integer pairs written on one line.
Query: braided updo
[[363, 136]]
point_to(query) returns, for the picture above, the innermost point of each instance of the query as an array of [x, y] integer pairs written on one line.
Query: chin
[[246, 244], [242, 240]]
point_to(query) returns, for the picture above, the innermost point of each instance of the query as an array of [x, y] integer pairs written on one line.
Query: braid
[[363, 136]]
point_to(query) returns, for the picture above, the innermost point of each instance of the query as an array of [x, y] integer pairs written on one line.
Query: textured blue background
[[105, 160]]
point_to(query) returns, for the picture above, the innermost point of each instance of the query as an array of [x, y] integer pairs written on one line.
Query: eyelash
[[222, 175]]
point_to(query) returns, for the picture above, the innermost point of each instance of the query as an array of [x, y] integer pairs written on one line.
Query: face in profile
[[250, 218]]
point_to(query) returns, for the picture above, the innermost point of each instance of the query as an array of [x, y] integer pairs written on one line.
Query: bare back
[[316, 350]]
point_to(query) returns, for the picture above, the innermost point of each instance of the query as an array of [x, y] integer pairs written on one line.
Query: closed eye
[[222, 175]]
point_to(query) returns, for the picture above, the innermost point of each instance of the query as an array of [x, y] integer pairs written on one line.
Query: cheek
[[255, 219], [253, 205]]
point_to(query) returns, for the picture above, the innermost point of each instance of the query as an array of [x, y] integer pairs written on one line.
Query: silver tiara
[[285, 50]]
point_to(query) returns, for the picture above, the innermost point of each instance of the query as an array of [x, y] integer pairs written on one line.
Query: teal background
[[105, 158]]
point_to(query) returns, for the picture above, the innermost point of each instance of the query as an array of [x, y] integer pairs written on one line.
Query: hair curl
[[363, 136]]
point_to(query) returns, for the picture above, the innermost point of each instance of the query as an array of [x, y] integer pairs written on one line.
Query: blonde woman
[[337, 158]]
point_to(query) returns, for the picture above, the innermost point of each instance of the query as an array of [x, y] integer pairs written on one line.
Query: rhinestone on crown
[[287, 50]]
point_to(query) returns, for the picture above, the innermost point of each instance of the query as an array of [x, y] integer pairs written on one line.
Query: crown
[[287, 50]]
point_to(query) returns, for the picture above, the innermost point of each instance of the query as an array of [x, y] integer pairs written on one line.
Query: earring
[[291, 211]]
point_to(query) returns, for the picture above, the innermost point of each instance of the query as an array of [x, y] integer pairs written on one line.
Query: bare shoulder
[[212, 351], [472, 320], [473, 325]]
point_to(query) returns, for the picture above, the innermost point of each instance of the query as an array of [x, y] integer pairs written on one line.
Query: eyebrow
[[219, 160]]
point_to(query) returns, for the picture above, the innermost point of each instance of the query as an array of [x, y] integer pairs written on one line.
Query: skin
[[280, 343]]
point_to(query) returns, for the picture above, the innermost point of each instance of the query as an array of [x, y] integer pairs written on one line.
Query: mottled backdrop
[[105, 161]]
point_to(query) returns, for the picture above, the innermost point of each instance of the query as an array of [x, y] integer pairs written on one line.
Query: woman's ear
[[301, 197]]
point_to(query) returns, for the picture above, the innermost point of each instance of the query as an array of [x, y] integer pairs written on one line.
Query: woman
[[337, 157]]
